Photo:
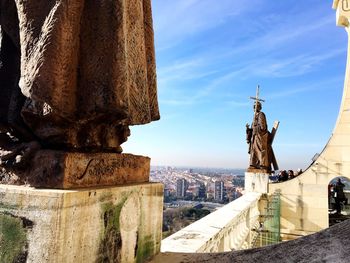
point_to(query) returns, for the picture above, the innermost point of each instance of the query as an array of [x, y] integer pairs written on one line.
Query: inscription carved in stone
[[76, 170], [106, 167]]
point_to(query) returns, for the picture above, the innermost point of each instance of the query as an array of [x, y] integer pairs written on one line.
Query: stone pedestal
[[111, 224], [256, 182], [69, 170]]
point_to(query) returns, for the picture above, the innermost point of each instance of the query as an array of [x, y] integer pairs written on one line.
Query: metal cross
[[256, 98]]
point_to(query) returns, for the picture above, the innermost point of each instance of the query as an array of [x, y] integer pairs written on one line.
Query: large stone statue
[[74, 75], [260, 141]]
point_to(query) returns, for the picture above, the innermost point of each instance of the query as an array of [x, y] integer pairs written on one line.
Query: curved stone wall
[[304, 200]]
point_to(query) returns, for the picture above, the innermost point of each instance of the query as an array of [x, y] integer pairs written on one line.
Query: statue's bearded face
[[258, 107]]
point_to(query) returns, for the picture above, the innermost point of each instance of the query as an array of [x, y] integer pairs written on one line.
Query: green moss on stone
[[146, 246], [5, 207], [145, 249], [111, 214], [109, 249], [110, 246], [12, 238]]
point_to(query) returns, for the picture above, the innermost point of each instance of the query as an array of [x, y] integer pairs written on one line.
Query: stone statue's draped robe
[[87, 69]]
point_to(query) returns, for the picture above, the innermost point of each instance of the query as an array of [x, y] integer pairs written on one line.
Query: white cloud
[[293, 66], [176, 20], [277, 37], [306, 87], [185, 70]]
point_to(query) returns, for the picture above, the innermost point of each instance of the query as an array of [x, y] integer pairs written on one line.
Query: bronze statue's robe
[[260, 146], [87, 68]]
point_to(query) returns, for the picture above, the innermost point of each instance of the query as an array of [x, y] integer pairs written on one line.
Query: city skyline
[[211, 57]]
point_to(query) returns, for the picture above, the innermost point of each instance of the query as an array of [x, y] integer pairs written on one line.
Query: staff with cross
[[256, 98]]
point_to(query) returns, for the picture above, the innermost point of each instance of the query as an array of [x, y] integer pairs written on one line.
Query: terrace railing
[[228, 228]]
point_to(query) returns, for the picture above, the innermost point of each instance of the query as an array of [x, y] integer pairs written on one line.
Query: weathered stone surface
[[56, 169], [115, 224], [75, 75], [256, 182], [13, 238]]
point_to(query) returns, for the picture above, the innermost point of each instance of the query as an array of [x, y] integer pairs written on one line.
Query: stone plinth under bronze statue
[[260, 141], [63, 170], [74, 75]]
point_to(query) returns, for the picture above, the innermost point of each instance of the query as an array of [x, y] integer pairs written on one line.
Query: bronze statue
[[74, 75], [260, 140]]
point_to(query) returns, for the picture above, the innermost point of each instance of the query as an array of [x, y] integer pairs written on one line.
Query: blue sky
[[210, 57]]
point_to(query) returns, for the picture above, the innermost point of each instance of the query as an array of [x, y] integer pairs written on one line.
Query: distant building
[[236, 194], [166, 192], [202, 191], [219, 191], [181, 188], [238, 181], [210, 195]]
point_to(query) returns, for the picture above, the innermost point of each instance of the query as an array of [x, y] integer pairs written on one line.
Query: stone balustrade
[[330, 245], [228, 228]]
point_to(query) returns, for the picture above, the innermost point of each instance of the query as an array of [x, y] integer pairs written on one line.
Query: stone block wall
[[115, 224]]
